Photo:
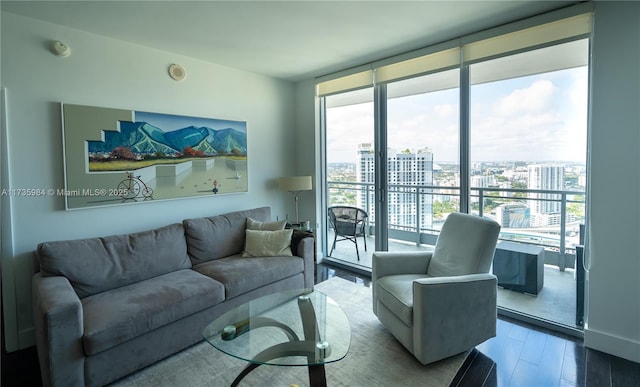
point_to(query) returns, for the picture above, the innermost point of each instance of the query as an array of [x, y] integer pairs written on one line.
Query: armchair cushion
[[395, 292]]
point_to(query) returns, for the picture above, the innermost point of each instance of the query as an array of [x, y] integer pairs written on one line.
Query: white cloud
[[445, 110], [534, 98], [533, 118]]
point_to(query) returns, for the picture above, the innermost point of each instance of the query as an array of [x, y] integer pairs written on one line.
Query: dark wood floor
[[525, 355], [520, 355]]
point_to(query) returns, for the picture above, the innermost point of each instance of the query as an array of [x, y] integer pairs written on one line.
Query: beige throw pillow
[[260, 243], [253, 224]]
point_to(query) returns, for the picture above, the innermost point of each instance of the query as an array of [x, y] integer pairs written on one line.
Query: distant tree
[[123, 152], [190, 152], [441, 208], [519, 185], [576, 209]]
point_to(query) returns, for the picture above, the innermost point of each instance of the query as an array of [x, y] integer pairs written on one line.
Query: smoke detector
[[59, 48], [177, 72]]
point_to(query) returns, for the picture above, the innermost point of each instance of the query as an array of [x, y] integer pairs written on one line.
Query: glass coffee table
[[291, 328]]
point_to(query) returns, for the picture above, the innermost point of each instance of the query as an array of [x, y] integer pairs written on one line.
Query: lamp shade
[[295, 183]]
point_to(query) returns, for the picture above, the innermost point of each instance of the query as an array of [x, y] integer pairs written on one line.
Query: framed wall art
[[117, 156]]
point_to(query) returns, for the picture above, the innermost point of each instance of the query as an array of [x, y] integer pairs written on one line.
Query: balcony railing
[[418, 223]]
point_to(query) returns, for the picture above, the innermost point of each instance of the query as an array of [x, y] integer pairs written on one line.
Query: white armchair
[[441, 303]]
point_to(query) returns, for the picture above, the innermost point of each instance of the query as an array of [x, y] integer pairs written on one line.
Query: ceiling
[[291, 40]]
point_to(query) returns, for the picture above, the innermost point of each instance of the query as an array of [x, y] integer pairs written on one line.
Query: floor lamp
[[295, 184]]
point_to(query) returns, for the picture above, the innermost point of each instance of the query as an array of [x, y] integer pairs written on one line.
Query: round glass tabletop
[[290, 328]]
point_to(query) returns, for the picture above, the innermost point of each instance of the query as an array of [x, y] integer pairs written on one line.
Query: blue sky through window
[[540, 117]]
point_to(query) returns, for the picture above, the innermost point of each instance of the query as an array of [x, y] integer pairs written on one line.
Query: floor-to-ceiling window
[[528, 148], [349, 136], [423, 154], [500, 133]]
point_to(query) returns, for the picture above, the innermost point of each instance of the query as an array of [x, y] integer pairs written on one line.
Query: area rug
[[375, 357]]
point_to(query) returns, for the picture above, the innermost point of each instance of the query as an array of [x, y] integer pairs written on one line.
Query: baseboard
[[613, 345], [536, 321], [355, 268]]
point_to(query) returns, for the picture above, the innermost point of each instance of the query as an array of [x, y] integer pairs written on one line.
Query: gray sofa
[[106, 307]]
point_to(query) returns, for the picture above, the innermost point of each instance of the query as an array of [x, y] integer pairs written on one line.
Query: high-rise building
[[406, 204], [513, 215], [482, 181], [546, 207], [545, 177]]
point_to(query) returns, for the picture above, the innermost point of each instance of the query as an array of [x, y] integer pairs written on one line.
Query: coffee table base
[[309, 347]]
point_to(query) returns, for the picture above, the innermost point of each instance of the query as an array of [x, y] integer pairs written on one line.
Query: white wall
[[613, 320], [307, 156], [116, 74]]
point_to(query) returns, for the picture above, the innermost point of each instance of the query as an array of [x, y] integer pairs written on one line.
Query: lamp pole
[[295, 184], [295, 195]]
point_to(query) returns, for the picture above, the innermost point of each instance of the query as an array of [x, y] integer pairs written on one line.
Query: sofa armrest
[[58, 324], [453, 314], [399, 262], [305, 248]]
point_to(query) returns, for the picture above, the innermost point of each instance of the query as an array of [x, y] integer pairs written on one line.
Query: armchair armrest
[[58, 323], [453, 314], [399, 262]]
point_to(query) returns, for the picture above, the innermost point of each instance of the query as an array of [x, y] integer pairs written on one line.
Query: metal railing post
[[563, 230], [418, 216]]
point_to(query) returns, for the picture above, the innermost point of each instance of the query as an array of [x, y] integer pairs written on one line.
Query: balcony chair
[[348, 223], [440, 303]]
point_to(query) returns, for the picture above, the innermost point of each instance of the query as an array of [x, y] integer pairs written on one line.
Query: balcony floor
[[556, 302]]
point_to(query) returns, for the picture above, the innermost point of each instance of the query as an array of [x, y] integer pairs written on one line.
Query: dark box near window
[[519, 267]]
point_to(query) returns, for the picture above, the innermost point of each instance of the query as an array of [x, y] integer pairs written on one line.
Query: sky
[[534, 118]]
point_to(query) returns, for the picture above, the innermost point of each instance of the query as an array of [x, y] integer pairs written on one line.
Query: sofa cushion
[[118, 315], [220, 236], [253, 224], [267, 243], [240, 275], [95, 265]]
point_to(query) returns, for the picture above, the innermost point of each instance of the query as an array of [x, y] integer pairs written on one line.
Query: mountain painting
[[161, 139], [132, 156]]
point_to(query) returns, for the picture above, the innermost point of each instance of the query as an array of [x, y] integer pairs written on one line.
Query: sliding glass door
[[421, 162], [528, 142], [422, 156], [350, 166]]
